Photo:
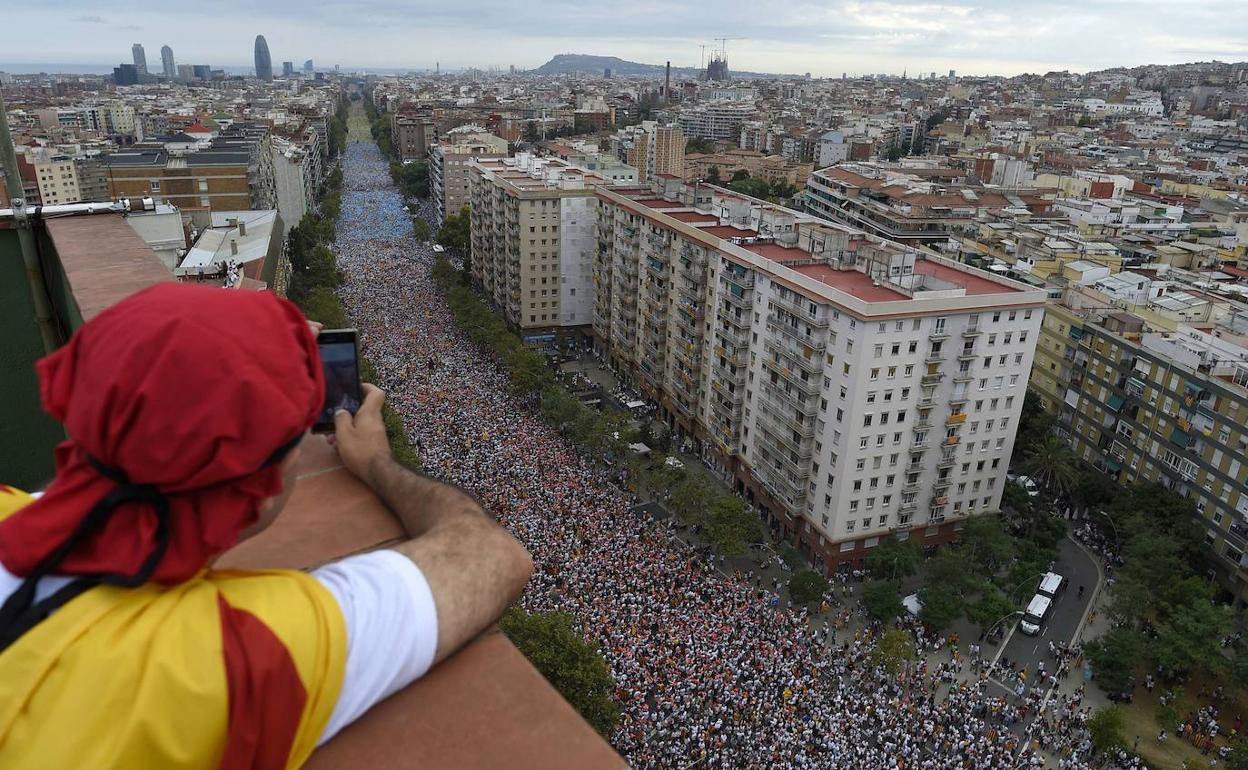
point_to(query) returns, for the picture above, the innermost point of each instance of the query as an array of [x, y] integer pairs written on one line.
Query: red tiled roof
[[851, 282], [726, 231], [659, 203], [692, 217], [776, 252], [973, 284]]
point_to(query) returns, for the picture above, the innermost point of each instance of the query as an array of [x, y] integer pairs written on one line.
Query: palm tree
[[1052, 464]]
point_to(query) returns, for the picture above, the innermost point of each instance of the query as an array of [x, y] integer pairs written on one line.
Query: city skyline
[[824, 39]]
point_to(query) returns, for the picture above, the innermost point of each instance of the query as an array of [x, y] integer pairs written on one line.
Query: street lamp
[[1113, 526]]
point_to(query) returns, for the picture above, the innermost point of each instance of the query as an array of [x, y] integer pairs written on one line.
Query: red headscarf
[[186, 388]]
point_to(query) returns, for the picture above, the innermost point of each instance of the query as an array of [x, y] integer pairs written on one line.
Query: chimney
[[242, 228], [667, 85], [234, 247]]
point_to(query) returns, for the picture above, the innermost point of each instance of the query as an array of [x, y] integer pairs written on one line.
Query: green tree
[[729, 527], [985, 545], [1105, 729], [893, 558], [456, 233], [421, 230], [882, 599], [1052, 464], [1238, 758], [894, 650], [412, 178], [807, 586], [1191, 639], [690, 498], [1034, 424], [320, 304], [941, 606], [992, 606], [1115, 658], [530, 133], [712, 175], [697, 144], [573, 666]]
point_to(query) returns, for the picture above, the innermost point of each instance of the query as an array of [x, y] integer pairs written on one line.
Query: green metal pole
[[26, 236]]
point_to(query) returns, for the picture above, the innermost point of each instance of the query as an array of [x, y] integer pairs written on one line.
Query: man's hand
[[361, 439]]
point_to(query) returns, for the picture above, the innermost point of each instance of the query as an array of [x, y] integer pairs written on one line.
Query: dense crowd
[[712, 672]]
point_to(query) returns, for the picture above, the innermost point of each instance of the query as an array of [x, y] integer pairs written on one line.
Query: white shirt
[[391, 622]]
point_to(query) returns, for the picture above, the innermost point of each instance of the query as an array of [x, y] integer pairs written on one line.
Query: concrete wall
[[27, 435], [577, 243]]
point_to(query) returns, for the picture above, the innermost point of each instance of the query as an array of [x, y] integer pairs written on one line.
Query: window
[[875, 373], [870, 396], [892, 372], [154, 185], [849, 525], [878, 352], [866, 420]]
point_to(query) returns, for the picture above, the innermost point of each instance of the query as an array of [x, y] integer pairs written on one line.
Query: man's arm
[[474, 568]]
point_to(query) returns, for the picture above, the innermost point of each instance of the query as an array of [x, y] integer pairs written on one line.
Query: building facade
[[167, 63], [850, 387], [1161, 406], [264, 62], [58, 180], [449, 162], [140, 59], [412, 135], [532, 226]]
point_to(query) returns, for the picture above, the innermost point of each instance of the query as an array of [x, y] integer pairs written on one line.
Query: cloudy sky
[[824, 37]]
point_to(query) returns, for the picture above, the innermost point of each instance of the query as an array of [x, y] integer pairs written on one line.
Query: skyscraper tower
[[167, 63], [307, 66], [140, 58], [264, 63]]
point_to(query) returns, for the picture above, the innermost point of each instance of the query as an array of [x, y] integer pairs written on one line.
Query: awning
[[1076, 333], [1178, 438], [1113, 465], [1116, 401]]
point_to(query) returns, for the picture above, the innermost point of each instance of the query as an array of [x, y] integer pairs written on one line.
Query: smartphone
[[341, 359]]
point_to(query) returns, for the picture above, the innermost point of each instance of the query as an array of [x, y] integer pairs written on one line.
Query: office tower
[[307, 66], [167, 63], [125, 75], [264, 63], [140, 59], [953, 74], [288, 69]]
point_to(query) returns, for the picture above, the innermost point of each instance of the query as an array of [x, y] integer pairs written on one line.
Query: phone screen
[[342, 377]]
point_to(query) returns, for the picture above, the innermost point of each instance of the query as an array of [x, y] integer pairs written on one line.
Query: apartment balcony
[[744, 279], [967, 355], [813, 364], [958, 398], [926, 401], [801, 312], [787, 418], [956, 419], [973, 330], [942, 483], [934, 358], [692, 291], [939, 501], [914, 468], [911, 488], [733, 356], [808, 406], [938, 334], [952, 440], [965, 376], [947, 460], [903, 507], [742, 302], [807, 387], [931, 379], [774, 322], [921, 424]]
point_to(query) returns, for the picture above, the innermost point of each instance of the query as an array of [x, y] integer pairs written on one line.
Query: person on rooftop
[[120, 646]]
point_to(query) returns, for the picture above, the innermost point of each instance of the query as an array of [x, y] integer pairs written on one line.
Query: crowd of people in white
[[711, 671]]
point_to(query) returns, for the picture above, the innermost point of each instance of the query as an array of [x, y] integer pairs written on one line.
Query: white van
[[1051, 584], [1037, 611], [1028, 484]]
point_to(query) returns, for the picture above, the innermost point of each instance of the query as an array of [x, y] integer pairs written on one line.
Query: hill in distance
[[586, 64]]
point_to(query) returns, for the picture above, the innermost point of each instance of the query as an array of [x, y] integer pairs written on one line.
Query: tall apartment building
[[449, 160], [412, 135], [234, 173], [58, 180], [652, 149], [532, 230], [721, 120], [909, 204], [853, 388], [1144, 403], [168, 66]]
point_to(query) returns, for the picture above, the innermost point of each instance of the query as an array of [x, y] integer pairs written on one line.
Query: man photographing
[[185, 408]]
